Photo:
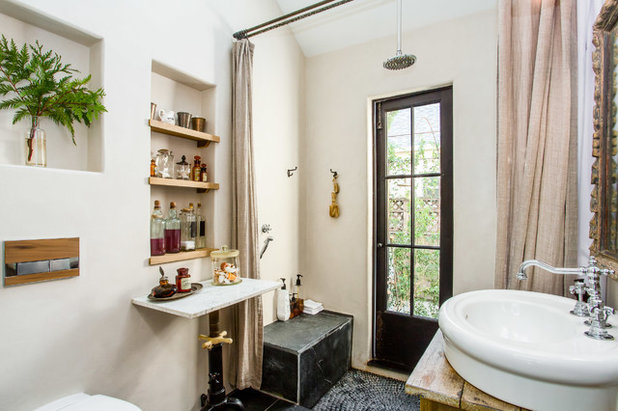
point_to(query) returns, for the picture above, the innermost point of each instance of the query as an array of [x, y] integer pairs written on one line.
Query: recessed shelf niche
[[84, 51], [176, 90]]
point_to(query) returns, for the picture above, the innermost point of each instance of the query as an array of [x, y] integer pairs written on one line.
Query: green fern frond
[[39, 84]]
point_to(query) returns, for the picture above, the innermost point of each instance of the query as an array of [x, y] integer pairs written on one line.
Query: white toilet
[[85, 402]]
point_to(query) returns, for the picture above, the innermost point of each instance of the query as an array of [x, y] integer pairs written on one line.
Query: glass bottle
[[153, 168], [165, 163], [36, 150], [200, 241], [157, 231], [188, 229], [172, 230], [164, 289], [197, 168], [204, 173], [183, 280]]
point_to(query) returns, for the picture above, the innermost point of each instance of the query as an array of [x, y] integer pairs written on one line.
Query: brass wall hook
[[333, 209], [291, 171]]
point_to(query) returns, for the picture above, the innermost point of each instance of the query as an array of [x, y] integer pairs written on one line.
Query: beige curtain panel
[[248, 333], [537, 141]]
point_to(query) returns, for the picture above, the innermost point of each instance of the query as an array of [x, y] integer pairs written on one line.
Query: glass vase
[[36, 151]]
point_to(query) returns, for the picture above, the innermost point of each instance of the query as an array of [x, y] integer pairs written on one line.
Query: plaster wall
[[336, 257], [83, 334]]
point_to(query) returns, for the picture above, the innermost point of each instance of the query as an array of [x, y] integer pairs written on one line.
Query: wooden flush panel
[[40, 250]]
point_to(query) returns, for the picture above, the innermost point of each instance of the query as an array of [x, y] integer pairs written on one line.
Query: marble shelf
[[210, 298]]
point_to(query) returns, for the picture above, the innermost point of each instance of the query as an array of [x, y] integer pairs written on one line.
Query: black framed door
[[413, 222]]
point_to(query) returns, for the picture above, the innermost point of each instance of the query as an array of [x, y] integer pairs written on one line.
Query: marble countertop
[[210, 298]]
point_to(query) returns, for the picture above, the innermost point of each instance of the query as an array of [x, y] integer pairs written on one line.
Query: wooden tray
[[194, 287]]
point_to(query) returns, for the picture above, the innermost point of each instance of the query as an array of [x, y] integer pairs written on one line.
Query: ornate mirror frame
[[604, 201]]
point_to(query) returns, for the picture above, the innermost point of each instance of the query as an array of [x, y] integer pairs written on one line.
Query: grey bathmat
[[362, 391]]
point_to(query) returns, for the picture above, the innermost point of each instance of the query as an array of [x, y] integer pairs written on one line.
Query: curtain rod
[[289, 18]]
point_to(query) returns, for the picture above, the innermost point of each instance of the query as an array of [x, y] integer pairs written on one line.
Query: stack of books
[[312, 307]]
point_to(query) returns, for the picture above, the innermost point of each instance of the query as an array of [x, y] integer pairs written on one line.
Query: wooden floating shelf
[[203, 139], [172, 182], [183, 255]]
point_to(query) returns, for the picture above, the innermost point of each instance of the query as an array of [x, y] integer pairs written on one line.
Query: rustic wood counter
[[441, 388]]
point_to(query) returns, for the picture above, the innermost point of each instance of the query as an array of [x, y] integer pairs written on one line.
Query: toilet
[[85, 402]]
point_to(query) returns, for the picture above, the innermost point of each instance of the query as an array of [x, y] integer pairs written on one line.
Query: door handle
[[380, 245]]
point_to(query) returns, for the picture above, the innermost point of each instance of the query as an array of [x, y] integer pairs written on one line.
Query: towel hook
[[334, 173], [291, 171]]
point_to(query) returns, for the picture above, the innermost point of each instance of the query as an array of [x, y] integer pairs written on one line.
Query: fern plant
[[37, 84]]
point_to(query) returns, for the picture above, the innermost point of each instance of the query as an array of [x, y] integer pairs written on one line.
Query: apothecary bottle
[[157, 231], [200, 241], [188, 229], [172, 230], [197, 168]]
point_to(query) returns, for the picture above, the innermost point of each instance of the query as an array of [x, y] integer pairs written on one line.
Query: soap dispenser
[[283, 303], [298, 286]]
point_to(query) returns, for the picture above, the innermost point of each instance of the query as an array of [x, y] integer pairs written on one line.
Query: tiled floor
[[258, 401]]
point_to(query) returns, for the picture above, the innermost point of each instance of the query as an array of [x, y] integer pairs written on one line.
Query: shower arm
[[398, 27]]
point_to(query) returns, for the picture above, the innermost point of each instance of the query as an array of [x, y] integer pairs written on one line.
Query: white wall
[[83, 334], [277, 128], [339, 87]]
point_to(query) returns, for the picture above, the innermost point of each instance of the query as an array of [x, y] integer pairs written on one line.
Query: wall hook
[[334, 173], [291, 171]]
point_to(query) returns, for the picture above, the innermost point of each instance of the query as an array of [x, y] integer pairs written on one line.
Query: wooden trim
[[604, 141], [38, 277], [38, 250], [172, 182], [385, 345], [203, 139], [183, 255]]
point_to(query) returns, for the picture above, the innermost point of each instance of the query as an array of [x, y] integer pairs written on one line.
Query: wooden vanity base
[[440, 388]]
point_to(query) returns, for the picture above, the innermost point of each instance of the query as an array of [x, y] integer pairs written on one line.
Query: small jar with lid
[[225, 269], [183, 169], [183, 280]]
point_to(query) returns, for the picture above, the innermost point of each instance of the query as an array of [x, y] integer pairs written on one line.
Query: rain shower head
[[400, 60]]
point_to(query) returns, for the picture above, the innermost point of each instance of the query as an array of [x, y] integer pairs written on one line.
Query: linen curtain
[[248, 332], [537, 141]]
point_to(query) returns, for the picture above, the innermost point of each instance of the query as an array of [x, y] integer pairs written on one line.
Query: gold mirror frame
[[604, 200]]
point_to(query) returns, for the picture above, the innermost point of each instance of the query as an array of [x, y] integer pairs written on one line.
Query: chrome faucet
[[596, 309]]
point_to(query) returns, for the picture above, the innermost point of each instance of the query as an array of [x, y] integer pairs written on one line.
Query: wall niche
[[84, 51]]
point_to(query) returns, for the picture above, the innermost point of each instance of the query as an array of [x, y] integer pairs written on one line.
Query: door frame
[[446, 199]]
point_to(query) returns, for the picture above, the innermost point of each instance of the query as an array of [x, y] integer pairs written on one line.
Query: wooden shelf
[[172, 182], [203, 139], [183, 255]]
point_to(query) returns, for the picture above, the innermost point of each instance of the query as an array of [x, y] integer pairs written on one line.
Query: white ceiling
[[353, 23]]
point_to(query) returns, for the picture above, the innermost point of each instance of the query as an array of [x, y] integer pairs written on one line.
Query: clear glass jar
[[36, 150], [188, 229], [183, 169], [157, 231], [225, 269], [165, 163], [172, 230]]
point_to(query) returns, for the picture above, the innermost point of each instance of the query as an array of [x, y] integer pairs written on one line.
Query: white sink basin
[[525, 348]]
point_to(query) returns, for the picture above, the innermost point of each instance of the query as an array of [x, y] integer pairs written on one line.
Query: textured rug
[[362, 391]]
